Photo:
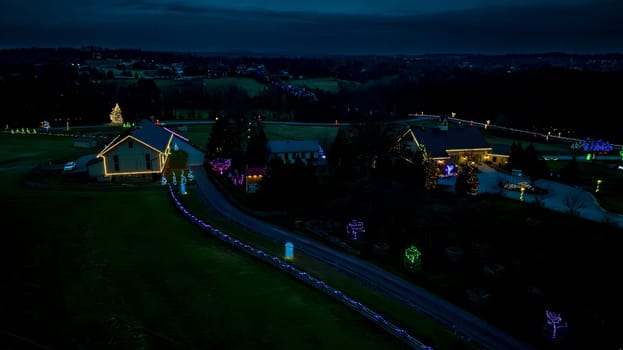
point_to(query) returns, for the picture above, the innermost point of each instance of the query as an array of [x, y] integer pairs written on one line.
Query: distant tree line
[[543, 98]]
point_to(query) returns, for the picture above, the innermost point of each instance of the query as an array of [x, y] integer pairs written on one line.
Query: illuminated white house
[[449, 146], [140, 153]]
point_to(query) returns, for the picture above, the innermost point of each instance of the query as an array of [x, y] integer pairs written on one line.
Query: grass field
[[121, 269], [251, 86], [168, 86], [330, 85]]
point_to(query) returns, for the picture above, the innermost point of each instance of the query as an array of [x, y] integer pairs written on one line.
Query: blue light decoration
[[363, 310], [289, 251], [183, 183], [323, 155], [449, 170], [354, 229], [599, 146]]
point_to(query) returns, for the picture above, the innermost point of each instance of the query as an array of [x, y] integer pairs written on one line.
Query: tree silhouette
[[515, 157], [467, 182], [224, 139], [342, 154], [257, 151]]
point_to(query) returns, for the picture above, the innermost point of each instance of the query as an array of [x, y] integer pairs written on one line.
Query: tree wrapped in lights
[[431, 176], [354, 229], [413, 258], [467, 182], [115, 116]]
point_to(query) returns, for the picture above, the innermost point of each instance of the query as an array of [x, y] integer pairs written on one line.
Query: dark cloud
[[182, 26]]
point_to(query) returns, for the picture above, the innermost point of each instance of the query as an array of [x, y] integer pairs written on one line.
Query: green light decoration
[[621, 154], [412, 258]]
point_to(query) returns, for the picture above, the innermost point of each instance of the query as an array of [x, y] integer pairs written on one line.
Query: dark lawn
[[121, 269]]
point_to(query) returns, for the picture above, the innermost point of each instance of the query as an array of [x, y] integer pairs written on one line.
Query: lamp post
[[597, 185]]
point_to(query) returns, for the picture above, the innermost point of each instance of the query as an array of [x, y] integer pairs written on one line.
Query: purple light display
[[220, 164], [354, 229], [554, 320]]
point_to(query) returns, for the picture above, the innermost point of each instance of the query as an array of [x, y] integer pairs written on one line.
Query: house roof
[[500, 148], [284, 146], [255, 171], [438, 142], [152, 135], [146, 132]]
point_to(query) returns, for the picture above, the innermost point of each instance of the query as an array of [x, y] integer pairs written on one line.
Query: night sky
[[318, 27]]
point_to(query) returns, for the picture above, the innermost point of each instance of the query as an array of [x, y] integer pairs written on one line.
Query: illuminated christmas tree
[[115, 116]]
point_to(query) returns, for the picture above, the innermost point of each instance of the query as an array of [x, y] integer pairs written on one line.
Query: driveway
[[557, 197], [195, 157]]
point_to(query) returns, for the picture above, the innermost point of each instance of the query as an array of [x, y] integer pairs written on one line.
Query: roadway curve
[[465, 324]]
